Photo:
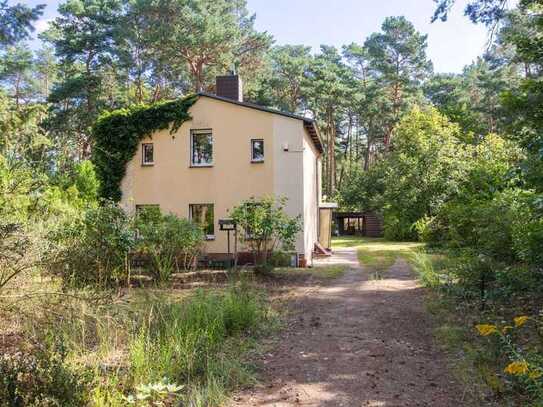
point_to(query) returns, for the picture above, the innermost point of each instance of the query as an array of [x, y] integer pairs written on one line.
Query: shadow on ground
[[356, 342]]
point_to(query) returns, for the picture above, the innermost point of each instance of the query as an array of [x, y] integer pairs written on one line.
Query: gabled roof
[[309, 124]]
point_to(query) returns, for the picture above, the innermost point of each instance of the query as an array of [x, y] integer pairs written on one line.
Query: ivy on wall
[[117, 135]]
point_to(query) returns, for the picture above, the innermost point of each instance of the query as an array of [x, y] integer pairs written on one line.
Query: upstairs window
[[201, 148], [147, 152], [202, 215], [257, 150]]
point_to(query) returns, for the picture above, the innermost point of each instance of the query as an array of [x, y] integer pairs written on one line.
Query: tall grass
[[424, 265], [199, 341], [196, 342]]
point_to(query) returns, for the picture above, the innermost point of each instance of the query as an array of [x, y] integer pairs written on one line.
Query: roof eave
[[313, 130], [309, 124]]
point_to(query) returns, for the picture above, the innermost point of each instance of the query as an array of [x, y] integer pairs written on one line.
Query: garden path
[[356, 341]]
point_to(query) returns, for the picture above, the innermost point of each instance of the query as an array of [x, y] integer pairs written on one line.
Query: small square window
[[202, 215], [201, 148], [257, 150], [147, 150]]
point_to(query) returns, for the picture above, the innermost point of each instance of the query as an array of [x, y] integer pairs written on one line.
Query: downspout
[[317, 198]]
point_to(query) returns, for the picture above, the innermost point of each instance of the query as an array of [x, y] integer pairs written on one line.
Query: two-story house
[[228, 152]]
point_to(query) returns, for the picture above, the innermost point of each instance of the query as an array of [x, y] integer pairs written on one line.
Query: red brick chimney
[[229, 86]]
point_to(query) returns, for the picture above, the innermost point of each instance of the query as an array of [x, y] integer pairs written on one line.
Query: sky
[[451, 45]]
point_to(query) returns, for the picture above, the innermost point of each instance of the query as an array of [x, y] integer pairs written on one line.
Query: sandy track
[[356, 342]]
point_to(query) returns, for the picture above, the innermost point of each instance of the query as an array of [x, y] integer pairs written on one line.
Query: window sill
[[257, 161], [147, 164], [201, 165]]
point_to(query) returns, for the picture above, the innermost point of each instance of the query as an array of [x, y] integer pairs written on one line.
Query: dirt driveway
[[356, 341]]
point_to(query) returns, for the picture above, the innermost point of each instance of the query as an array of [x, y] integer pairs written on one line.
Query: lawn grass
[[377, 254], [326, 272]]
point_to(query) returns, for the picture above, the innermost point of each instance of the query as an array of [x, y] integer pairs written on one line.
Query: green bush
[[40, 379], [172, 244], [527, 229], [265, 226], [397, 228], [92, 249], [280, 259]]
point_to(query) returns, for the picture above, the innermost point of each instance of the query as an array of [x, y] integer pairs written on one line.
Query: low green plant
[[423, 264], [92, 250], [162, 393], [170, 243], [41, 378], [280, 259]]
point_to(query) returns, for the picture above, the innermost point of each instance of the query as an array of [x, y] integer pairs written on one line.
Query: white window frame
[[253, 159], [143, 162], [194, 132]]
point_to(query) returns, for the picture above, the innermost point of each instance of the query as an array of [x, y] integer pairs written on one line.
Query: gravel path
[[356, 342]]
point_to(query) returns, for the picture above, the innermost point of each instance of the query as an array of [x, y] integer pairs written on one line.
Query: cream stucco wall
[[174, 185], [288, 168], [311, 200]]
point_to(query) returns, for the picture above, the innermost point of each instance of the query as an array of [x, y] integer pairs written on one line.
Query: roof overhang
[[309, 124], [313, 131]]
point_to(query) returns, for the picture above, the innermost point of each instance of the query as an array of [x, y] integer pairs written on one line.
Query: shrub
[[40, 379], [424, 265], [280, 259], [86, 181], [265, 226], [92, 250], [171, 244], [528, 229], [397, 228]]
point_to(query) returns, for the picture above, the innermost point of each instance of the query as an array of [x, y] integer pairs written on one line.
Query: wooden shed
[[368, 224]]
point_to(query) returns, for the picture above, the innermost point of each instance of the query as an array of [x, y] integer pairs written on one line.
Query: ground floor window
[[202, 214]]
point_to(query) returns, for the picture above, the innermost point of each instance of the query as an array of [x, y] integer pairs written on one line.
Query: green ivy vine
[[118, 133]]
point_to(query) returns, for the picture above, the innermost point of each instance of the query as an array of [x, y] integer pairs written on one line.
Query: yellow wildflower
[[506, 328], [519, 321], [535, 374], [517, 368], [486, 329]]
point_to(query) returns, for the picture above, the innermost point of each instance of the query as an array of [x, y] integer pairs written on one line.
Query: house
[[230, 151]]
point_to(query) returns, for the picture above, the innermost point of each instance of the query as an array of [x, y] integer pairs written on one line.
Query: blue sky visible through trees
[[451, 45]]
